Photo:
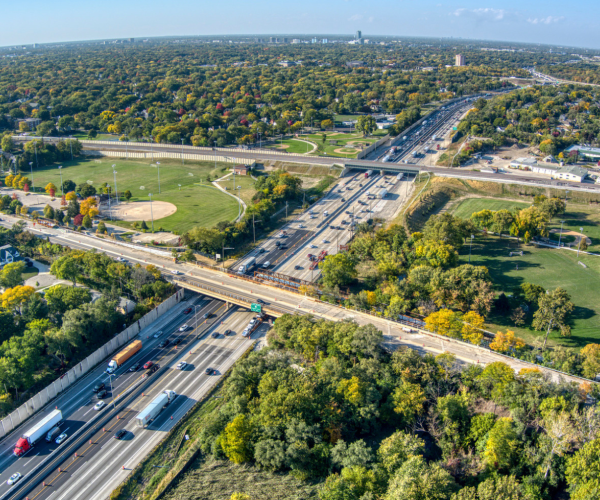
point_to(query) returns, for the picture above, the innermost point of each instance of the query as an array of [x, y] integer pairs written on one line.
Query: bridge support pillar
[[381, 172], [227, 306]]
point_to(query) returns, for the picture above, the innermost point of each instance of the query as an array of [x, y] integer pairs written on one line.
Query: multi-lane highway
[[93, 469], [77, 403]]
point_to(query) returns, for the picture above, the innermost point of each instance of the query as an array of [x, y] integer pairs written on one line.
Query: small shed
[[241, 169]]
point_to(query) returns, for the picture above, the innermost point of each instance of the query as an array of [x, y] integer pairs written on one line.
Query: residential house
[[8, 255]]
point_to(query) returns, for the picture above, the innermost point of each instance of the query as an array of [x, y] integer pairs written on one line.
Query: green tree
[[583, 472], [366, 124], [237, 440], [501, 445], [66, 268], [11, 274], [553, 313], [416, 480], [62, 298], [127, 195], [397, 449], [7, 144], [87, 222], [338, 269]]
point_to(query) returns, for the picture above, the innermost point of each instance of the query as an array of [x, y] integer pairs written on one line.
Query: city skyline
[[552, 23]]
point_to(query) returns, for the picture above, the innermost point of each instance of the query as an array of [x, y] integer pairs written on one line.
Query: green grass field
[[246, 183], [344, 141], [575, 217], [465, 208], [293, 146], [547, 267], [195, 205]]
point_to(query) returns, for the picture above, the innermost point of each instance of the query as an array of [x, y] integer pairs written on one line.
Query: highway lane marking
[[230, 357]]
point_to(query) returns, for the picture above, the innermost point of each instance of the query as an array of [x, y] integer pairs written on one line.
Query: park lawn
[[550, 268], [294, 146], [141, 178], [342, 143], [467, 207], [575, 217], [29, 272], [246, 183]]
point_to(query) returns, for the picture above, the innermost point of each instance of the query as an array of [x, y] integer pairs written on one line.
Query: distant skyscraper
[[459, 60], [285, 40], [314, 40], [271, 39], [325, 40], [358, 35]]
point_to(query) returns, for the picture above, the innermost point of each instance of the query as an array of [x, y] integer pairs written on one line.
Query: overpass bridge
[[232, 155]]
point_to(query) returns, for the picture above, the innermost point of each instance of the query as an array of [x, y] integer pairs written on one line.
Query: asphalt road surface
[[102, 464], [76, 404]]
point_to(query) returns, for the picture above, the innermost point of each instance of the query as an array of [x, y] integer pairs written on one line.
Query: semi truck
[[246, 265], [119, 359], [155, 407], [368, 173], [400, 176], [382, 194], [37, 432]]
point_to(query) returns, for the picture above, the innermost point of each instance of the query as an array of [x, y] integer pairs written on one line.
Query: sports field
[[549, 268], [292, 146], [466, 207], [196, 205]]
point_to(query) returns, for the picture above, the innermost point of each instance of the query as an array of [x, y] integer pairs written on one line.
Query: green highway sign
[[256, 308], [454, 128]]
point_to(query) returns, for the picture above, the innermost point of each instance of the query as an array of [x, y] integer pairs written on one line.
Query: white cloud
[[545, 20], [484, 14], [355, 17]]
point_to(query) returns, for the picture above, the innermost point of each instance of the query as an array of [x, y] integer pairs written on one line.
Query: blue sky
[[547, 21]]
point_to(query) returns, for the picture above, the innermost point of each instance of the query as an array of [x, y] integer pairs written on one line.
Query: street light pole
[[116, 190], [151, 213], [470, 243], [31, 168], [580, 239], [158, 171], [62, 189], [560, 235]]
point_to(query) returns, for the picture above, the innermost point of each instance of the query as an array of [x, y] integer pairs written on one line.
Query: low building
[[585, 151], [126, 306], [240, 169], [8, 255], [571, 173], [523, 163]]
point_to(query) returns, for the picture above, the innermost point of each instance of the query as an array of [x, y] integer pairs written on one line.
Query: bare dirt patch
[[140, 210], [281, 146], [344, 151], [572, 233]]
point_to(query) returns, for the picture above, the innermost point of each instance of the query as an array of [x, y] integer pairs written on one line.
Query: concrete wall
[[42, 398], [372, 147]]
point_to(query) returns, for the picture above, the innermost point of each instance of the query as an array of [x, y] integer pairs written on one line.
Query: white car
[[182, 365], [14, 478], [120, 259], [266, 264], [99, 405], [313, 246], [183, 328], [300, 226], [158, 334], [175, 272], [252, 321], [61, 438], [324, 241]]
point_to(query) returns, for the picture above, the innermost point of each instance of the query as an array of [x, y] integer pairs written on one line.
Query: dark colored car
[[164, 343], [187, 311], [228, 332], [135, 367], [260, 301], [215, 335], [297, 267], [120, 434], [209, 371], [99, 387], [101, 393], [310, 256], [177, 341], [153, 369]]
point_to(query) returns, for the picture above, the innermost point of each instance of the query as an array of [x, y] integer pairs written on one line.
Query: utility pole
[[560, 235]]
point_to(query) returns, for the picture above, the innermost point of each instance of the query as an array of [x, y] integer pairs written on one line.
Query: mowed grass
[[550, 268], [196, 205], [293, 146], [352, 141], [245, 182], [576, 216], [467, 207]]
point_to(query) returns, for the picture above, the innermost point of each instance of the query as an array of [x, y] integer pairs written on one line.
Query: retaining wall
[[42, 398], [372, 147]]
